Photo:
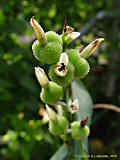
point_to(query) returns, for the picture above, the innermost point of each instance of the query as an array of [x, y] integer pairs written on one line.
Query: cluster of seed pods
[[65, 66]]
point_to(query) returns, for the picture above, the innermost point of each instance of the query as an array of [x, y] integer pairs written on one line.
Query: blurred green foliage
[[22, 136]]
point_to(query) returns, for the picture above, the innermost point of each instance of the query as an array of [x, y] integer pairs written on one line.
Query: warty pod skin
[[80, 64], [79, 132], [48, 46], [51, 91], [52, 37], [59, 126], [49, 53], [57, 123]]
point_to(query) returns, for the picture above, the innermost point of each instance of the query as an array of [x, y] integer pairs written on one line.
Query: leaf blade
[[85, 108], [61, 154]]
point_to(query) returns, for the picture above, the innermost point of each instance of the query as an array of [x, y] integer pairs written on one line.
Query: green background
[[21, 134]]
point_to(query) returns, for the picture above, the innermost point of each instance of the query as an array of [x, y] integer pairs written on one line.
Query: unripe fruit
[[81, 68], [52, 37], [48, 53], [73, 55], [62, 80], [81, 65], [48, 46], [79, 132], [59, 126], [52, 93]]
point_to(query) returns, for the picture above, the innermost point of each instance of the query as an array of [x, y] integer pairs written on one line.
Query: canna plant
[[68, 106]]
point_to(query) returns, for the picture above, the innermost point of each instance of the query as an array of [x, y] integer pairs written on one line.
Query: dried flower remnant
[[51, 113], [84, 121], [44, 114], [80, 49], [74, 107], [41, 77], [48, 46], [38, 31], [68, 33], [87, 51], [67, 29], [79, 132], [61, 67]]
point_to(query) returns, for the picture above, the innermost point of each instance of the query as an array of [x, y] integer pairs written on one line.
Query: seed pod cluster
[[48, 48], [64, 67]]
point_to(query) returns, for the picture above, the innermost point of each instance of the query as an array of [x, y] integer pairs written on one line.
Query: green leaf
[[85, 102], [85, 108], [61, 154]]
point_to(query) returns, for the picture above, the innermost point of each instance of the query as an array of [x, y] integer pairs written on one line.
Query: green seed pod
[[52, 37], [62, 80], [81, 68], [79, 132], [48, 53], [81, 65], [48, 46], [73, 55], [52, 93], [59, 126]]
